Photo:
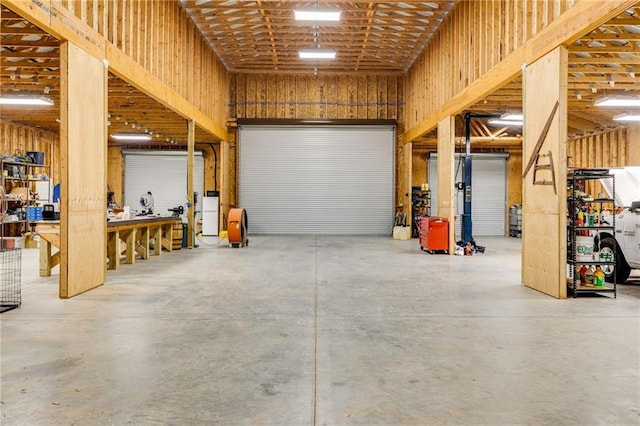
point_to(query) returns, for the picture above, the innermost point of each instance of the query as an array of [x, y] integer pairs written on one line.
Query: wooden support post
[[225, 183], [633, 142], [191, 143], [130, 241], [83, 141], [544, 254], [157, 240], [408, 178], [113, 250], [45, 256], [167, 237], [446, 170], [143, 247]]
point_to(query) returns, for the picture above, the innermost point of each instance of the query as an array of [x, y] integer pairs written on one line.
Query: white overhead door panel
[[317, 179], [489, 193], [164, 174]]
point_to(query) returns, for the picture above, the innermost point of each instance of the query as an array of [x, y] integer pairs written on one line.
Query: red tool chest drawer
[[434, 234]]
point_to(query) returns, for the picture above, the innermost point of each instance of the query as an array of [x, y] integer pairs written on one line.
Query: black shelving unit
[[420, 206], [598, 258], [19, 174]]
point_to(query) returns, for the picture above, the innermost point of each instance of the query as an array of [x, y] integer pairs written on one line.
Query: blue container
[[34, 213]]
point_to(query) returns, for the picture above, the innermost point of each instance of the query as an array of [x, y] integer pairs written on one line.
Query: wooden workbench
[[131, 235]]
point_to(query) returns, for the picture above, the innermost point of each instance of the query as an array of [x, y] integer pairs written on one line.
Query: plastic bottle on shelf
[[598, 277], [589, 275], [583, 275]]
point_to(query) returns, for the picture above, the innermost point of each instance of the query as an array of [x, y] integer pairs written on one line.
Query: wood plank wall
[[475, 37], [606, 149], [330, 97], [21, 138], [361, 97], [159, 36]]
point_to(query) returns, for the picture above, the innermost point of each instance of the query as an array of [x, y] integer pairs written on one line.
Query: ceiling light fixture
[[512, 116], [618, 101], [501, 122], [627, 116], [508, 119], [25, 100], [130, 137], [317, 54], [317, 14]]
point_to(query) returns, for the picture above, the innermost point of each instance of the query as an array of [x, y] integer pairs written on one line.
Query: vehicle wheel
[[621, 269]]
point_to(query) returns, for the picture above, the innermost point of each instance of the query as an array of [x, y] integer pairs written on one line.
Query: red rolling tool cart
[[434, 234]]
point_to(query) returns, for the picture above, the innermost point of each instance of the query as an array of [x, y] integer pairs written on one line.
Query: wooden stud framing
[[332, 97], [435, 64]]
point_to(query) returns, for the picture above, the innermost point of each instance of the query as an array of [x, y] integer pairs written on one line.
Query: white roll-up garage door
[[488, 183], [164, 174], [317, 179]]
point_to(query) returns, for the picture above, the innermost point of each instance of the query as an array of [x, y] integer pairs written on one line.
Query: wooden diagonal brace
[[541, 139]]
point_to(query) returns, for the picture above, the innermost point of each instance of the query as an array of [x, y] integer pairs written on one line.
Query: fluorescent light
[[627, 117], [25, 100], [512, 116], [131, 136], [317, 14], [502, 122], [618, 101], [317, 54]]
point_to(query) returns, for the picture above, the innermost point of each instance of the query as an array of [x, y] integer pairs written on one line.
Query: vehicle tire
[[621, 269]]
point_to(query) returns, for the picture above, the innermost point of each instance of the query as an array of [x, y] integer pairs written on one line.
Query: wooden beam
[[225, 182], [127, 69], [582, 18], [58, 21], [446, 180]]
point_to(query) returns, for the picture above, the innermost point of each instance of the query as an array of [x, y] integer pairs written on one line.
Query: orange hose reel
[[237, 228]]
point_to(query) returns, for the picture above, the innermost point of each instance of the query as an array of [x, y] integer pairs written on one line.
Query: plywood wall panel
[[544, 253], [83, 202]]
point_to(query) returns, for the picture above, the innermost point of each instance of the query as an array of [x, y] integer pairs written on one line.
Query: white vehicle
[[625, 244]]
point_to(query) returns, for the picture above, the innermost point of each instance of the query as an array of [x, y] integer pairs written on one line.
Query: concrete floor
[[319, 331]]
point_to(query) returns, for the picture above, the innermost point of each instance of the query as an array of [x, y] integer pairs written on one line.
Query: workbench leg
[[45, 258], [167, 237], [131, 247], [143, 248], [157, 241], [113, 250]]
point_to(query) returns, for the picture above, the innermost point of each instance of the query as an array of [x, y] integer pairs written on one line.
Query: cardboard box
[[12, 242]]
